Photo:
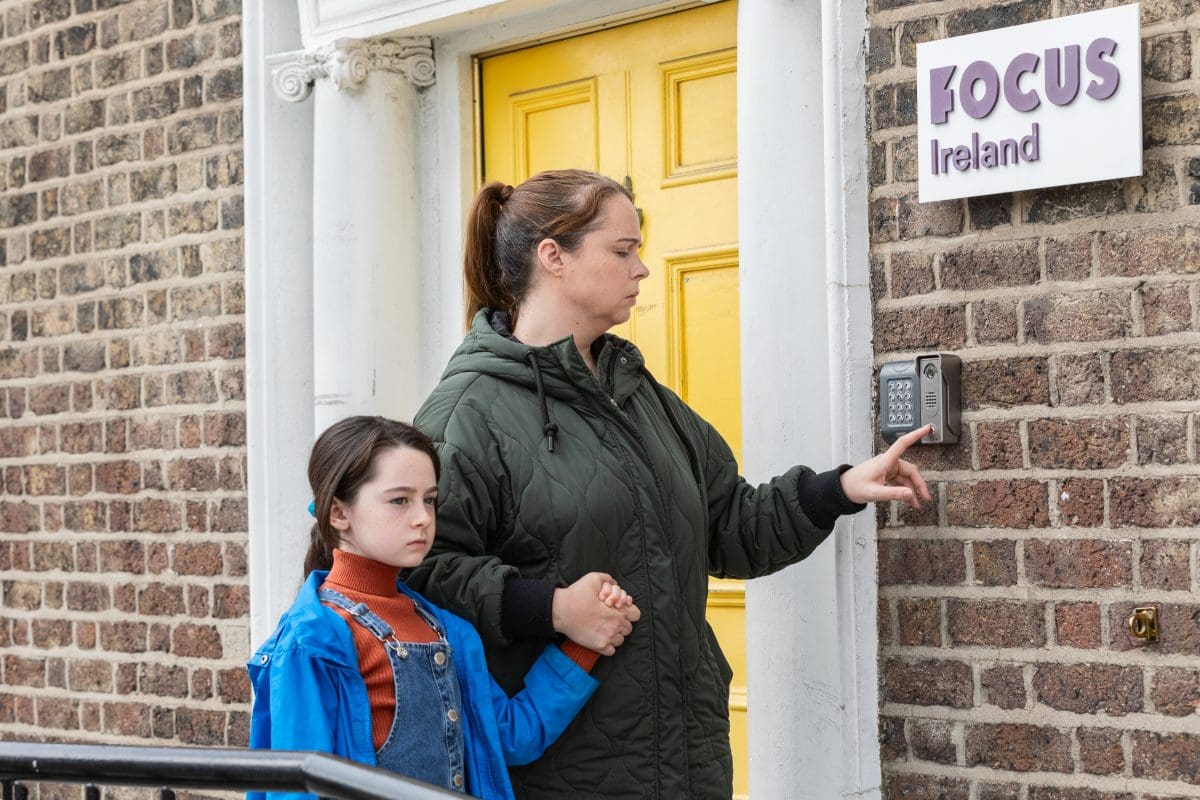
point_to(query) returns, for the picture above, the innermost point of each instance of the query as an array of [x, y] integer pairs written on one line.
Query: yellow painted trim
[[674, 73], [738, 700], [567, 94], [678, 266]]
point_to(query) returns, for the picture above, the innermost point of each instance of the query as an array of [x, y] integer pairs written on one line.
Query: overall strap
[[366, 617]]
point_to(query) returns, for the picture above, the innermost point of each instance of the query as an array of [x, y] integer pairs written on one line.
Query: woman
[[562, 456]]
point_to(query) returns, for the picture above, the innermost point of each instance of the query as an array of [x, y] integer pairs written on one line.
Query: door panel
[[652, 102]]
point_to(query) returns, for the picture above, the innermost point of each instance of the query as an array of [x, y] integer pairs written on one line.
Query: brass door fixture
[[1143, 623]]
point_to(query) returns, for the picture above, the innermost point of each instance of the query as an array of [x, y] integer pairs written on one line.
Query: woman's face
[[601, 277], [392, 519]]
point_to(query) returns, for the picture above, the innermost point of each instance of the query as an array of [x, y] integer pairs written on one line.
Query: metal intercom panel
[[922, 391]]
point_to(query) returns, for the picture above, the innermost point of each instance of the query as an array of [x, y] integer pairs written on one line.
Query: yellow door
[[653, 103]]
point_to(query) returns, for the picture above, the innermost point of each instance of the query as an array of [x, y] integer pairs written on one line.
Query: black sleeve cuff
[[526, 608], [822, 499]]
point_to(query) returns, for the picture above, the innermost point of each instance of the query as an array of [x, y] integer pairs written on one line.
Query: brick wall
[[122, 415], [1006, 668]]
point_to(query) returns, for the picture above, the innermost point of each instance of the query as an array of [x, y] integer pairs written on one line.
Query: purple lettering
[[975, 72], [941, 97], [1030, 144], [1008, 152], [1060, 89], [1019, 100], [946, 152], [1105, 70], [933, 143], [988, 155], [962, 157]]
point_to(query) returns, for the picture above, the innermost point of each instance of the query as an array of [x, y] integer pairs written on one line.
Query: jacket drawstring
[[548, 427]]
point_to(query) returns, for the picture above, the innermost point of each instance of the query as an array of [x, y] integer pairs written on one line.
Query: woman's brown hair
[[506, 224], [342, 460]]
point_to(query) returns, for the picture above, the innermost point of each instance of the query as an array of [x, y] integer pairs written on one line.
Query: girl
[[364, 668]]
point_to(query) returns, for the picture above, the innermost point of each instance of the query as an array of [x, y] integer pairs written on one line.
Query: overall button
[[458, 780], [452, 715], [439, 658]]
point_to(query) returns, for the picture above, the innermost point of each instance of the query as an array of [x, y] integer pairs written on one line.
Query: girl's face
[[392, 519], [601, 278]]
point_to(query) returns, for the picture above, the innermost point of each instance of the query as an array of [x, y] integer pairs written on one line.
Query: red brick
[[57, 713], [1149, 375], [85, 515], [1077, 625], [932, 740], [1080, 502], [1069, 259], [1005, 383], [122, 556], [1089, 688], [123, 637], [883, 619], [1019, 748], [926, 787], [127, 719], [1060, 793], [1155, 502], [157, 515], [1088, 317], [202, 680], [989, 266], [163, 680], [233, 685], [920, 622], [119, 477], [921, 561], [1176, 692], [1165, 564], [200, 641], [1078, 443], [1162, 439], [19, 671], [1166, 309], [1016, 503], [235, 559], [231, 602], [90, 675], [892, 743], [19, 517], [1166, 756], [1079, 563], [922, 328], [912, 274], [995, 562], [197, 558], [1100, 751], [200, 727], [999, 445], [930, 682], [192, 474], [1004, 686], [50, 633], [198, 603], [1150, 251], [995, 322], [230, 515], [999, 791], [996, 623], [159, 599]]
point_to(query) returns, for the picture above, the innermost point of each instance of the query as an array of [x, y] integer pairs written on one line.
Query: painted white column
[[367, 211], [810, 660]]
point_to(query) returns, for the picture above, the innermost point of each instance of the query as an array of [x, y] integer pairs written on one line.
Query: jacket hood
[[490, 349]]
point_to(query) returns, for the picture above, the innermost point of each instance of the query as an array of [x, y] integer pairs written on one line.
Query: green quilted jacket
[[611, 473]]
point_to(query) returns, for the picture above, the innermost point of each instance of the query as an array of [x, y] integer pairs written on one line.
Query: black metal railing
[[214, 769]]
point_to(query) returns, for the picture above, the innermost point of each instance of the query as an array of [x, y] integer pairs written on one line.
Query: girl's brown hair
[[505, 226], [342, 460]]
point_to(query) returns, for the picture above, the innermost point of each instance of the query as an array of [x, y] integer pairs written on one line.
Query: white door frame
[[802, 206]]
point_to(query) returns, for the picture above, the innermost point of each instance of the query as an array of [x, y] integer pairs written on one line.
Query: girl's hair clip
[[312, 509]]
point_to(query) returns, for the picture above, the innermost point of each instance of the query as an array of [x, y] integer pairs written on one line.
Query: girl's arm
[[556, 689]]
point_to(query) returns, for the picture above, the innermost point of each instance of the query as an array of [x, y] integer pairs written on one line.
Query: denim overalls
[[428, 701]]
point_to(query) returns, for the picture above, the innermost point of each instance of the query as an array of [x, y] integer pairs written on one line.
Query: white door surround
[[355, 202]]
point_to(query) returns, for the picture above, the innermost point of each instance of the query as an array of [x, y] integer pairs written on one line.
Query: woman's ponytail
[[481, 269]]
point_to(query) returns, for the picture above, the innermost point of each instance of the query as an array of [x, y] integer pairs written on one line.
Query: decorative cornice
[[347, 62]]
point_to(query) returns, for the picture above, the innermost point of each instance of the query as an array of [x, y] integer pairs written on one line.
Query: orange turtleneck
[[364, 580]]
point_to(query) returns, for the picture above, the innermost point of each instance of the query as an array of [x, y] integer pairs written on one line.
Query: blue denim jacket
[[310, 695]]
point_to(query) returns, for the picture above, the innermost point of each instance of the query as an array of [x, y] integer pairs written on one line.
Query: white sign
[[1043, 104]]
